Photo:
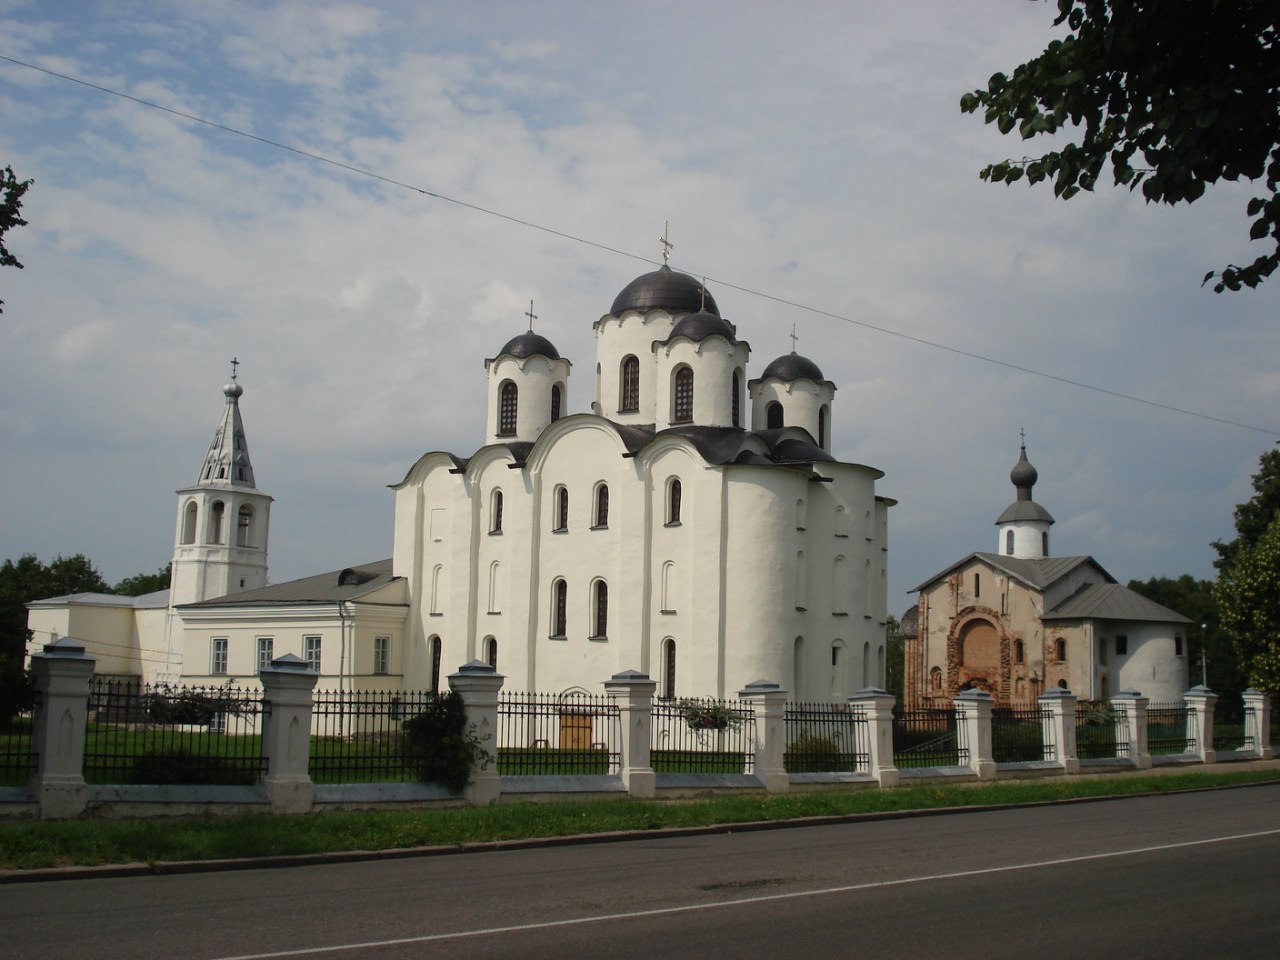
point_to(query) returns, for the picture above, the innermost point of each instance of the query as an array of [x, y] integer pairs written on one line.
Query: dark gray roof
[[698, 326], [1024, 476], [909, 624], [1039, 574], [791, 367], [1024, 510], [667, 290], [349, 583], [529, 344], [1110, 601]]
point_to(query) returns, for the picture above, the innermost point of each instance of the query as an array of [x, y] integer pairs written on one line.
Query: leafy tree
[[11, 191], [894, 657], [1172, 95], [1194, 599], [141, 583], [1255, 515], [1248, 594]]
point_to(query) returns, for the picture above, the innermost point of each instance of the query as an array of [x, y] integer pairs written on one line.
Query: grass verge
[[26, 845]]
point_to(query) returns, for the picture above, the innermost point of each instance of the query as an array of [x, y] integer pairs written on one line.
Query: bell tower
[[220, 544]]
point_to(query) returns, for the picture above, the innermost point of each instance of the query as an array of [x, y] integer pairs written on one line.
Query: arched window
[[217, 517], [735, 403], [773, 416], [823, 413], [495, 512], [668, 669], [673, 501], [510, 396], [601, 518], [491, 652], [244, 526], [682, 395], [189, 522], [935, 679], [866, 664], [560, 509], [802, 515], [559, 608], [977, 585], [437, 651], [436, 598], [1060, 651], [1044, 543], [629, 388], [494, 584], [668, 587], [1019, 652], [1008, 543], [599, 610]]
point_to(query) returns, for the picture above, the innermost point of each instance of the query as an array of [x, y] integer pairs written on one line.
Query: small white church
[[693, 525]]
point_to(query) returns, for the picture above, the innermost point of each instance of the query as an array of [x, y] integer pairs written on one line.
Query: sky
[[813, 164]]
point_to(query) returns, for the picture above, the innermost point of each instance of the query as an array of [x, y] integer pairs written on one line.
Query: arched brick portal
[[978, 655]]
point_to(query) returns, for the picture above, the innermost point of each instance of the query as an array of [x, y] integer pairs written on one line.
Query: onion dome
[[529, 345], [664, 289], [698, 326], [1024, 476], [792, 366]]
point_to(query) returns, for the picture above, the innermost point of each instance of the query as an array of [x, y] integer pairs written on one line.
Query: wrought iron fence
[[17, 758], [1102, 732], [1021, 735], [358, 736], [1168, 729], [1231, 724], [164, 734], [929, 738], [558, 734], [703, 736], [826, 738]]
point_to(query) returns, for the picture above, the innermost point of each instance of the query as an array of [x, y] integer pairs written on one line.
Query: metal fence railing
[[1231, 725], [359, 736], [163, 734], [703, 736], [1021, 735], [929, 738], [826, 738], [1102, 732], [1168, 729], [549, 734], [17, 758]]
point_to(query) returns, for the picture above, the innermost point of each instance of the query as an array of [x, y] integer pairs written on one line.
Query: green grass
[[34, 844]]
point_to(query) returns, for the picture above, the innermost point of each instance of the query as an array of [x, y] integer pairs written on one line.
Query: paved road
[[1193, 875]]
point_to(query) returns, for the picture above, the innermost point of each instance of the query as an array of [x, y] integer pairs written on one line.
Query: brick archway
[[978, 653]]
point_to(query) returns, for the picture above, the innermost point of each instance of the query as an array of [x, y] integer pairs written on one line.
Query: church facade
[[693, 524], [1018, 621]]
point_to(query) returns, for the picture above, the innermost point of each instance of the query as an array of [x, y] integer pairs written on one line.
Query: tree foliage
[[1254, 516], [1171, 96], [141, 583], [1248, 593], [11, 191]]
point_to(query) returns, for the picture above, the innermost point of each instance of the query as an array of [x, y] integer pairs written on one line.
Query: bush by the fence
[[439, 744]]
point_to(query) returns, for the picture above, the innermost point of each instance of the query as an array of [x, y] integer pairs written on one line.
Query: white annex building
[[1019, 620], [693, 525]]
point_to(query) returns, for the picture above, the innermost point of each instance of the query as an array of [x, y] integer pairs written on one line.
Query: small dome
[[232, 390], [1023, 473], [792, 366], [698, 326], [529, 345], [666, 290]]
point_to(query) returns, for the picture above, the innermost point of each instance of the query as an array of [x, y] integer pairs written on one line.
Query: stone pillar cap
[[872, 692], [974, 694], [1056, 693], [476, 668], [1129, 694], [291, 662], [761, 686], [1200, 690], [64, 647], [627, 676]]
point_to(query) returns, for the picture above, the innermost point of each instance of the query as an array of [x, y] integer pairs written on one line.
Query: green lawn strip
[[30, 845]]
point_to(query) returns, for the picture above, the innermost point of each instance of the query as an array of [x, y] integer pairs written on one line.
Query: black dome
[[529, 345], [1023, 473], [792, 366], [698, 326], [667, 290]]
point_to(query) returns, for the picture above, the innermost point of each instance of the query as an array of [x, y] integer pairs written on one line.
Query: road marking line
[[745, 901]]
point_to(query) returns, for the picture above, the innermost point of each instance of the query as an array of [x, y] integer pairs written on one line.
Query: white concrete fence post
[[1200, 701], [770, 708], [1132, 705], [61, 674], [973, 712], [1060, 726], [288, 686], [1257, 722], [633, 692], [877, 705], [478, 685]]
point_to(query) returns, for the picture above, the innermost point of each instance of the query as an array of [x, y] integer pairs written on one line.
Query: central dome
[[664, 289]]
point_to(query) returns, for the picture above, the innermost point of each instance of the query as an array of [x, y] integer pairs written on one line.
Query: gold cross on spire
[[793, 336], [667, 245], [531, 315], [234, 363], [703, 290]]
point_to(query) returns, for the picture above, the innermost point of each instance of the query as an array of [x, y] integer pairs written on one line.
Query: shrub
[[440, 746], [813, 753]]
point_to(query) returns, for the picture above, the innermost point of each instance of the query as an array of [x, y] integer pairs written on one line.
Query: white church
[[693, 525]]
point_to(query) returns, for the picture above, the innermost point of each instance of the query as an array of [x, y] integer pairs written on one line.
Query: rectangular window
[[218, 656], [311, 652], [266, 652], [1122, 645], [1177, 644], [381, 655]]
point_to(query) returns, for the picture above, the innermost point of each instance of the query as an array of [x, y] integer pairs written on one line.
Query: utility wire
[[817, 311]]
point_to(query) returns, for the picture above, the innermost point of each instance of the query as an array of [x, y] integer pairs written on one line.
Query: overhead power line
[[564, 235]]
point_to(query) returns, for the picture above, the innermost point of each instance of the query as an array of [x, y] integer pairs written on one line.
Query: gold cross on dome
[[531, 315], [794, 338], [234, 363], [667, 245], [703, 290]]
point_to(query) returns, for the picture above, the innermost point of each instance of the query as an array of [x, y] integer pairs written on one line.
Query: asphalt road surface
[[1189, 875]]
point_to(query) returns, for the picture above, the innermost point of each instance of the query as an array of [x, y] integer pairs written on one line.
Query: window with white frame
[[266, 652], [218, 656], [381, 655], [600, 610], [311, 652], [560, 509]]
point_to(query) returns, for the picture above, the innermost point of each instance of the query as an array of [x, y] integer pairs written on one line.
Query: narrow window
[[600, 611], [1177, 644], [560, 511], [736, 401], [1008, 543], [266, 652], [668, 669], [602, 506], [218, 656], [668, 586], [491, 652], [189, 519], [494, 583], [1044, 543], [682, 396], [673, 501], [977, 585], [866, 664], [935, 679], [244, 526], [510, 396], [1060, 651], [311, 652], [437, 651], [559, 608], [1019, 652], [822, 426], [1122, 645], [773, 416], [216, 518], [629, 389], [555, 402], [381, 655], [495, 513]]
